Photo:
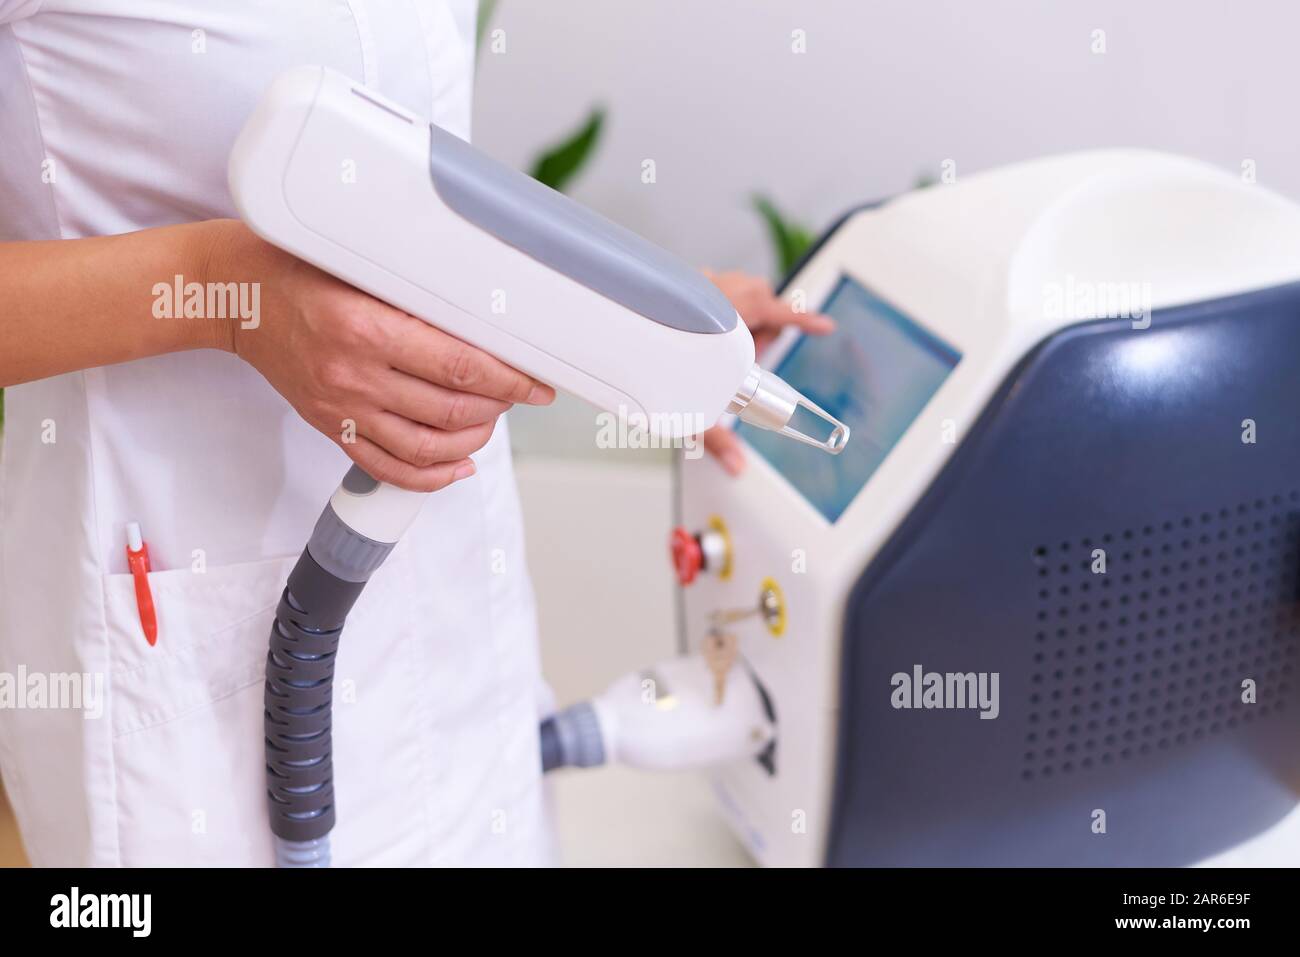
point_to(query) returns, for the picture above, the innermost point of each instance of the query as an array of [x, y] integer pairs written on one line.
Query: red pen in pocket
[[137, 560]]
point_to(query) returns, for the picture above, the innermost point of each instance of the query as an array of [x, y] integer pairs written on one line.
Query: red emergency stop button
[[687, 556]]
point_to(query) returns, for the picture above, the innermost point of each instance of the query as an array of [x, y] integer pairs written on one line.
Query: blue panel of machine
[[875, 373], [1120, 689]]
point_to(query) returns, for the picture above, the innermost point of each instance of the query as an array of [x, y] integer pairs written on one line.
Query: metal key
[[768, 607], [732, 616], [720, 648]]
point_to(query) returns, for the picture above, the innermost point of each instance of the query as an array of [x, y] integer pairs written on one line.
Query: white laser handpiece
[[361, 188], [343, 178]]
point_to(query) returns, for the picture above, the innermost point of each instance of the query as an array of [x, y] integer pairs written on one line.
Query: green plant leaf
[[559, 164], [790, 240]]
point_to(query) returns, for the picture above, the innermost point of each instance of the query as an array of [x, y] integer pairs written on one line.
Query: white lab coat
[[117, 115]]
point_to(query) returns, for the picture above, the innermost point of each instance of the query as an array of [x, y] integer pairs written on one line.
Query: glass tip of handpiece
[[835, 440], [767, 401]]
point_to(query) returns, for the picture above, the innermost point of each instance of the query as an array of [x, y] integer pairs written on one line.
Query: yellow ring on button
[[775, 623], [718, 525]]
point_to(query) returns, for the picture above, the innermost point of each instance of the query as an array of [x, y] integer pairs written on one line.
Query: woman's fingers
[[813, 323], [770, 312], [437, 406], [432, 355], [722, 443], [388, 468], [764, 312], [773, 316], [416, 400], [419, 445]]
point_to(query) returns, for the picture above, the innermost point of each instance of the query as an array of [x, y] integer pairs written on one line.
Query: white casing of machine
[[969, 262]]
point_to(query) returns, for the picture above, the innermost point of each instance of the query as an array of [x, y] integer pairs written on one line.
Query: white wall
[[712, 92]]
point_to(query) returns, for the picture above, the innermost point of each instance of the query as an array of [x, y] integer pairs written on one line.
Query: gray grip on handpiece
[[574, 241]]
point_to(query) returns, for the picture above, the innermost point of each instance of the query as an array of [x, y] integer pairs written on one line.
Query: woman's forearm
[[70, 304], [407, 402]]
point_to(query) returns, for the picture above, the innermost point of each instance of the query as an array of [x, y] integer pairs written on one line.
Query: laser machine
[[360, 187], [1073, 387]]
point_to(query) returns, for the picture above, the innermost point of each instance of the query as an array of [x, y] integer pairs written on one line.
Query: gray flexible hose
[[322, 588], [572, 738], [313, 853]]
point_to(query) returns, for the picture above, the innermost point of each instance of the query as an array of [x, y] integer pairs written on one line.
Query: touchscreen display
[[875, 373]]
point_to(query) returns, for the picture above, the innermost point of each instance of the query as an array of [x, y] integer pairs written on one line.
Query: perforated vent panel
[[1151, 653]]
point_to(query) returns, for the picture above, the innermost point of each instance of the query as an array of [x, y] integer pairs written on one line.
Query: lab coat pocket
[[187, 714]]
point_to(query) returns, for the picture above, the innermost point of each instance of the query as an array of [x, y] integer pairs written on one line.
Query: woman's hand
[[766, 315], [407, 402]]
